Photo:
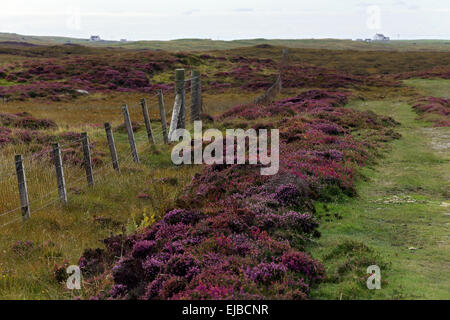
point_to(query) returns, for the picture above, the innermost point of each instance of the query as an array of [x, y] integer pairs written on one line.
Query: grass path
[[400, 221]]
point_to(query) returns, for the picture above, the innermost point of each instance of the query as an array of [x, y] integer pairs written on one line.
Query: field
[[208, 44], [363, 175]]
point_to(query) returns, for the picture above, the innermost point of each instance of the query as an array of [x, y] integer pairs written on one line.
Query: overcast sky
[[227, 19]]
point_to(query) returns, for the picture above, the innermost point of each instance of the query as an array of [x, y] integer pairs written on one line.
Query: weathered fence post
[[112, 146], [87, 159], [175, 116], [180, 90], [23, 190], [196, 96], [148, 124], [59, 173], [178, 120], [129, 127], [162, 112]]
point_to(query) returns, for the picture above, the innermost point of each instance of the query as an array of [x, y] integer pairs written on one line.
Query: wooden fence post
[[196, 96], [112, 146], [175, 116], [23, 190], [162, 113], [148, 124], [180, 91], [129, 127], [59, 173], [87, 159]]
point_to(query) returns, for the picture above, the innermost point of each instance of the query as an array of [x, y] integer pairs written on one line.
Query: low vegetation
[[349, 146]]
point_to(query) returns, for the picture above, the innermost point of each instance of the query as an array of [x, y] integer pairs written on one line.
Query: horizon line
[[229, 40]]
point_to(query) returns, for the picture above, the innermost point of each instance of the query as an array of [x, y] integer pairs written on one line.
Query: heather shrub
[[26, 121], [182, 216], [235, 234], [302, 263], [435, 109], [266, 272], [127, 272], [59, 272], [92, 262], [144, 248]]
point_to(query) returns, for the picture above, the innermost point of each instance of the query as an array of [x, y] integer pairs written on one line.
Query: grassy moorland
[[208, 44], [381, 198]]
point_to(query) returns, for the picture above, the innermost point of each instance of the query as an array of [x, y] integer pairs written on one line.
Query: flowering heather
[[59, 79], [64, 79], [182, 216], [238, 235], [301, 222], [23, 128], [300, 261], [437, 108], [267, 272], [287, 195], [432, 73], [5, 136], [25, 120]]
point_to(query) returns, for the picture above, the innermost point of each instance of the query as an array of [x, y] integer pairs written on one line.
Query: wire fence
[[51, 197], [155, 133]]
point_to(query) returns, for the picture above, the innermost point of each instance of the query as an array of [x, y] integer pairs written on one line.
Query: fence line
[[126, 161], [178, 121]]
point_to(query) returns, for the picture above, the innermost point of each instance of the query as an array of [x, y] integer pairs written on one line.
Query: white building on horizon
[[380, 37]]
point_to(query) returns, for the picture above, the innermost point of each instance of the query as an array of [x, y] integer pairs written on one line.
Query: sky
[[227, 19]]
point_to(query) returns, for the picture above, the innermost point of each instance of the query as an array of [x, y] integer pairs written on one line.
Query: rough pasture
[[60, 76]]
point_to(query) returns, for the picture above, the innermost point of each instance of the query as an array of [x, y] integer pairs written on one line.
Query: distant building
[[367, 40], [95, 38], [380, 37], [360, 40]]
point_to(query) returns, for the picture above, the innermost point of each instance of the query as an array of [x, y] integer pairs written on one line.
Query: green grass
[[4, 82], [431, 87], [414, 172]]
